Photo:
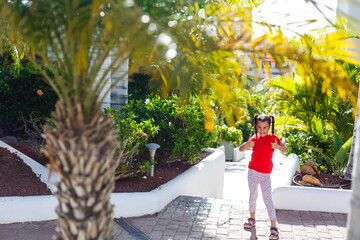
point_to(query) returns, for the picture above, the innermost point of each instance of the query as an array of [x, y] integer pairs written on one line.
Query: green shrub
[[231, 134], [297, 143], [33, 128], [132, 137], [181, 127], [246, 128], [22, 96]]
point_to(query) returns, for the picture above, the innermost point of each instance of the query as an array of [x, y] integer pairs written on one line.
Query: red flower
[[39, 92]]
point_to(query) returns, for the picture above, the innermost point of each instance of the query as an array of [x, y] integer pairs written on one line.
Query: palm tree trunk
[[354, 213], [349, 167], [81, 155]]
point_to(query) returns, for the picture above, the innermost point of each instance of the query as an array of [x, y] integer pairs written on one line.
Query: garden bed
[[18, 179], [300, 198], [205, 179], [327, 181]]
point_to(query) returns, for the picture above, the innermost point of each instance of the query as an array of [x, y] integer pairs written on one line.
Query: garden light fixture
[[152, 148]]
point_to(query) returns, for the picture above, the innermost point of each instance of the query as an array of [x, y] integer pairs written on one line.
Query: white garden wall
[[312, 199], [289, 197], [204, 179]]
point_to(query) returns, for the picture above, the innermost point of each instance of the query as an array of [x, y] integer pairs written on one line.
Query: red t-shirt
[[261, 157]]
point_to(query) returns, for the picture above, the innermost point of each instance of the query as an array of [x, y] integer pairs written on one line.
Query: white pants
[[254, 179]]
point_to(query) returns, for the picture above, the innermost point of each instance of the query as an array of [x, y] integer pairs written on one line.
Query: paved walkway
[[205, 219], [208, 218], [236, 182]]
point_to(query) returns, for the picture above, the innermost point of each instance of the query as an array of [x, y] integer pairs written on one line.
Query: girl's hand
[[274, 145], [250, 144], [281, 147]]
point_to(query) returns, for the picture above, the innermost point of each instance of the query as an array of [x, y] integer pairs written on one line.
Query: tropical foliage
[[308, 114], [228, 51], [308, 118], [12, 53], [339, 162], [82, 42], [254, 102]]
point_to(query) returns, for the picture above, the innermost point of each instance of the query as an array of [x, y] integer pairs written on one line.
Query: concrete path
[[208, 218], [236, 182]]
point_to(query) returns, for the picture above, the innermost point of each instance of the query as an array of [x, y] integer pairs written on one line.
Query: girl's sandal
[[275, 234], [250, 223]]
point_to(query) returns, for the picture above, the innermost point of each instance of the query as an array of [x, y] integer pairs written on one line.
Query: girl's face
[[262, 128]]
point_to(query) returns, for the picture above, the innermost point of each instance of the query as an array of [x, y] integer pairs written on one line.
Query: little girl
[[260, 167]]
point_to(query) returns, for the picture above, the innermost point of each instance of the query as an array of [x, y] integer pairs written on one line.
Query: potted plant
[[230, 137]]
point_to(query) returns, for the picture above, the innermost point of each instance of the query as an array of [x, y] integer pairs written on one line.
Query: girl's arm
[[248, 144]]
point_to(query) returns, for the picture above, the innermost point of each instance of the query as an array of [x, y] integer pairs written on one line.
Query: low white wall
[[285, 168], [238, 156], [30, 208], [205, 179], [312, 199], [298, 198]]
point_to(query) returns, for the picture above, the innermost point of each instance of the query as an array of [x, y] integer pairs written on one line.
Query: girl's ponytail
[[255, 122], [272, 125]]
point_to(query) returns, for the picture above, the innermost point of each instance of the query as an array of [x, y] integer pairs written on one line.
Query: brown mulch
[[327, 181], [17, 179]]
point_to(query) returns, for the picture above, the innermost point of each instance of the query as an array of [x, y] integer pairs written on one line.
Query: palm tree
[[347, 9], [298, 106], [354, 74], [353, 173], [353, 219], [71, 41], [305, 106], [313, 114], [349, 168]]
